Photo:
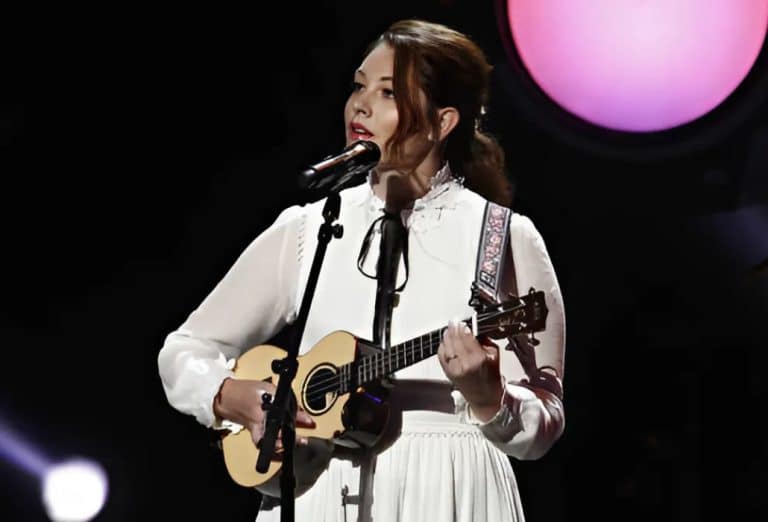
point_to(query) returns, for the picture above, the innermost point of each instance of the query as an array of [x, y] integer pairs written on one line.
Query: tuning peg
[[533, 340], [266, 401], [474, 296]]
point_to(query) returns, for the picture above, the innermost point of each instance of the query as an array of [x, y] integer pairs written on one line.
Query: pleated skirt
[[438, 470]]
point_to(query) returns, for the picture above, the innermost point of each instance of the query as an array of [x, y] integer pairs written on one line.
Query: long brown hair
[[452, 71]]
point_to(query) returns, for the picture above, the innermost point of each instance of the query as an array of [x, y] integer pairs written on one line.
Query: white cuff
[[226, 424], [505, 423], [214, 372]]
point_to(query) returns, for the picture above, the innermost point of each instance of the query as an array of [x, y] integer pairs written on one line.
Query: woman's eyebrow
[[383, 78]]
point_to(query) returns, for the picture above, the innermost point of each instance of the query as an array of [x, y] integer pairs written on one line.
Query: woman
[[418, 94]]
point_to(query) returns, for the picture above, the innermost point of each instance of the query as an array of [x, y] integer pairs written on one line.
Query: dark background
[[145, 148]]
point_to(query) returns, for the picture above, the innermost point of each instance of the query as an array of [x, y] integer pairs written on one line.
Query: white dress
[[445, 467]]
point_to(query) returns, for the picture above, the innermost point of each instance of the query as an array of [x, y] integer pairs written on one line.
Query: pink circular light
[[638, 65]]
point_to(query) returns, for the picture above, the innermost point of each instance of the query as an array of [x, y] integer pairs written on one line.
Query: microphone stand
[[281, 412]]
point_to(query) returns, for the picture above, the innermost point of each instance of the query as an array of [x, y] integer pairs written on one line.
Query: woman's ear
[[449, 118]]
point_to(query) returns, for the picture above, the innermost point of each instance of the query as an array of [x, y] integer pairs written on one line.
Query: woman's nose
[[361, 105]]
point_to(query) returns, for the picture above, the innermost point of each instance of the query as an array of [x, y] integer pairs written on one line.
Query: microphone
[[356, 159]]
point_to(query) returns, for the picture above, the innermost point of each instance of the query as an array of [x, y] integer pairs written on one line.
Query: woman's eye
[[388, 93], [356, 86]]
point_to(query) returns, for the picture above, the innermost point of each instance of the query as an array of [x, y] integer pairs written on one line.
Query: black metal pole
[[390, 250], [281, 413]]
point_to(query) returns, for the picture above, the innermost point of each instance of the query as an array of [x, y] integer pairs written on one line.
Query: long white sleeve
[[253, 301], [531, 417]]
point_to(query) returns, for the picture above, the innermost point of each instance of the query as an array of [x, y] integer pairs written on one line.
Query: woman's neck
[[398, 190]]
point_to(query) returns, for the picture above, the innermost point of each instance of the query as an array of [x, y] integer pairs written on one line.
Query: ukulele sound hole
[[321, 390]]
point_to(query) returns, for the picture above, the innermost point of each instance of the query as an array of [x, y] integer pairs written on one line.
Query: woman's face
[[370, 112]]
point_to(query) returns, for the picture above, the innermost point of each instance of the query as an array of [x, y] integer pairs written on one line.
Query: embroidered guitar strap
[[494, 276]]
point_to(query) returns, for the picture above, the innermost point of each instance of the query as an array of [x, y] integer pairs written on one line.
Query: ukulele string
[[331, 383]]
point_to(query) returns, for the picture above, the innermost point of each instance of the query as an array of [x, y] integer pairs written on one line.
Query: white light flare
[[74, 491]]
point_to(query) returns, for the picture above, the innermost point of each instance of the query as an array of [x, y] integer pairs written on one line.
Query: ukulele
[[342, 384]]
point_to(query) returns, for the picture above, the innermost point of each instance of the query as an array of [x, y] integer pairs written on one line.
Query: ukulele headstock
[[499, 320]]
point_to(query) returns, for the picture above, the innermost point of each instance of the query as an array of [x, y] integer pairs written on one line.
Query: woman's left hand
[[473, 368]]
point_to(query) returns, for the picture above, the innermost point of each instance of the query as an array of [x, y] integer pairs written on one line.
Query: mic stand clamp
[[281, 411]]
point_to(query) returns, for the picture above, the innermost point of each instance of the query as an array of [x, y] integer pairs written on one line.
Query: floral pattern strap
[[494, 244]]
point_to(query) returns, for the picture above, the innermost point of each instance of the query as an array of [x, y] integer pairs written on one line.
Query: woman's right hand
[[240, 401]]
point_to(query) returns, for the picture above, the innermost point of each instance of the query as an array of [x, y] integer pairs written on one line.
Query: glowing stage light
[[73, 491], [638, 65]]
